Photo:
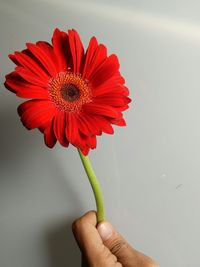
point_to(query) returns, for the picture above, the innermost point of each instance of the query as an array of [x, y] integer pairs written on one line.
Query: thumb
[[118, 246], [115, 242]]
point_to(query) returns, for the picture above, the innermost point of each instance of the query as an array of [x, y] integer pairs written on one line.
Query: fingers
[[103, 246], [118, 246], [90, 242], [85, 232]]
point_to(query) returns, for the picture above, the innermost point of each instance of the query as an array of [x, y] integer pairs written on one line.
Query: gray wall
[[149, 170]]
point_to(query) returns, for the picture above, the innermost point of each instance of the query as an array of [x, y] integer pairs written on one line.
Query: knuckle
[[109, 259], [117, 246], [77, 225]]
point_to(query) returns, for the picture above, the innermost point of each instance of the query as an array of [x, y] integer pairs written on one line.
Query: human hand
[[102, 246]]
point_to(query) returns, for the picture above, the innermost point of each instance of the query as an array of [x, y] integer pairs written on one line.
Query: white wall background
[[149, 171]]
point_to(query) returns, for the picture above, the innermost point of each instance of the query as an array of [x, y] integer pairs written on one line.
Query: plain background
[[149, 170]]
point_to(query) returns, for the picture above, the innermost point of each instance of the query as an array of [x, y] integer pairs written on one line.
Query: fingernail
[[105, 230]]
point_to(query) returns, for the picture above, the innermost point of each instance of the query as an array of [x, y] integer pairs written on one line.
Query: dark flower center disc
[[70, 92]]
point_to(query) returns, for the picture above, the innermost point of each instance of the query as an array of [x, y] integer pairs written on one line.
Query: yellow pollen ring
[[65, 80]]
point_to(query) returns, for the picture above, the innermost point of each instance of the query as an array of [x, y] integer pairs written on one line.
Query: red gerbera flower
[[74, 96]]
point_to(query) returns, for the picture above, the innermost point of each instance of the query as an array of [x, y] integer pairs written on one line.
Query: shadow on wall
[[19, 147], [62, 247]]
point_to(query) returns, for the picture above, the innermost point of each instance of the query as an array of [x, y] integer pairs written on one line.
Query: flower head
[[74, 95]]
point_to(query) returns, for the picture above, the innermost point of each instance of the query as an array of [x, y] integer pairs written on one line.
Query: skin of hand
[[102, 246]]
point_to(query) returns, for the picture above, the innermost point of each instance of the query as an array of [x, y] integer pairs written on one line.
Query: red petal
[[36, 93], [61, 49], [109, 67], [77, 50], [12, 78], [35, 113], [85, 151], [43, 127], [59, 128], [48, 48], [31, 65], [13, 58], [92, 141], [43, 57], [83, 127], [103, 124], [115, 83], [111, 99], [107, 89], [49, 136], [25, 90], [118, 78], [100, 109], [89, 55], [83, 142], [119, 122], [120, 109], [126, 91], [71, 127], [87, 125], [29, 76], [95, 62]]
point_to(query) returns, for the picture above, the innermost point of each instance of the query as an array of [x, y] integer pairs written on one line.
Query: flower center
[[68, 91]]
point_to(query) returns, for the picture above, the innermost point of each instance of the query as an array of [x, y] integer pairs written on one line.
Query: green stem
[[95, 187]]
